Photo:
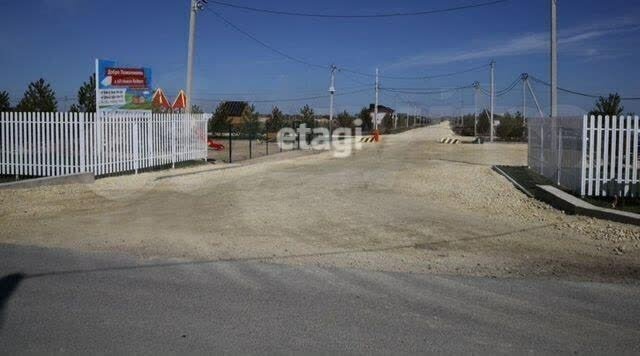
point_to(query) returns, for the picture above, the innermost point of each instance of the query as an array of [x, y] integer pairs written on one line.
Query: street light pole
[[524, 77], [195, 6], [375, 115], [476, 85], [554, 59], [493, 98], [332, 91]]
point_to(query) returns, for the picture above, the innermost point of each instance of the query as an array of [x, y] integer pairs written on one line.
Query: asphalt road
[[76, 302]]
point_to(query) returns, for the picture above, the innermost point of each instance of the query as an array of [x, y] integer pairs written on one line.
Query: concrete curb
[[570, 204], [80, 178], [573, 205]]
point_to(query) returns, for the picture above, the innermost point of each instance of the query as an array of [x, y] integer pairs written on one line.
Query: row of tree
[[221, 121], [40, 97], [511, 128]]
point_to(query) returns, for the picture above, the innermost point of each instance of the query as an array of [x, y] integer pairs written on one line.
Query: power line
[[502, 92], [424, 77], [575, 92], [315, 65], [354, 16], [245, 94], [263, 44], [289, 99], [425, 91], [509, 88]]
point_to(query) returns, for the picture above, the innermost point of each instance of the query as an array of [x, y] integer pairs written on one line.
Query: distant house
[[234, 110], [383, 111], [323, 121]]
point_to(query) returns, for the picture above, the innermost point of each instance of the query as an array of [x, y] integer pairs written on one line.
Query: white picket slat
[[620, 150], [598, 134], [591, 154], [634, 157], [627, 156]]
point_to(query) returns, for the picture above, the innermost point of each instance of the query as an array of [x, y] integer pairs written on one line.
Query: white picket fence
[[592, 156], [54, 144], [610, 156]]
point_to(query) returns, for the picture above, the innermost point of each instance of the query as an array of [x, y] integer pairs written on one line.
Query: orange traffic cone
[[376, 135]]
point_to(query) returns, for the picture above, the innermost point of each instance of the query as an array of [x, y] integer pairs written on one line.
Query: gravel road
[[406, 204]]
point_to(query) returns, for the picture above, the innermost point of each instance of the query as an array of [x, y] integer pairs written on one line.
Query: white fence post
[[173, 142], [597, 132], [136, 145], [82, 144], [559, 163], [583, 166], [542, 147], [634, 177]]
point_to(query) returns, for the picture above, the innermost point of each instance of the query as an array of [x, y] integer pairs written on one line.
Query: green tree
[[511, 127], [250, 122], [5, 103], [402, 120], [611, 105], [483, 123], [365, 117], [219, 121], [345, 119], [307, 116], [86, 97], [387, 123], [38, 97], [276, 121], [195, 109]]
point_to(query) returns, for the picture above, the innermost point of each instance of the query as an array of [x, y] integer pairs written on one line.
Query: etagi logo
[[341, 142]]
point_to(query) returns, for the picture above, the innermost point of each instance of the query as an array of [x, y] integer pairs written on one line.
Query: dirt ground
[[405, 204]]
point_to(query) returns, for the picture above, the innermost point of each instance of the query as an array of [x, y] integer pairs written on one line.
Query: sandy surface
[[405, 204]]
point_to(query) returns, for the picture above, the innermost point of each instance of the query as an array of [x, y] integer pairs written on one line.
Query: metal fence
[[591, 156], [53, 144], [235, 143]]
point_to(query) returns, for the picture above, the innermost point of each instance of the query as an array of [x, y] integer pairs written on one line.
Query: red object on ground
[[215, 146], [376, 135]]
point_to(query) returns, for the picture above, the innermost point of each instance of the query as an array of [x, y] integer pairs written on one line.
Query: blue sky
[[59, 40]]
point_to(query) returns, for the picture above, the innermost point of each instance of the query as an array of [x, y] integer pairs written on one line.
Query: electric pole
[[476, 85], [408, 115], [332, 91], [554, 59], [461, 108], [524, 77], [375, 115], [196, 5], [493, 98]]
